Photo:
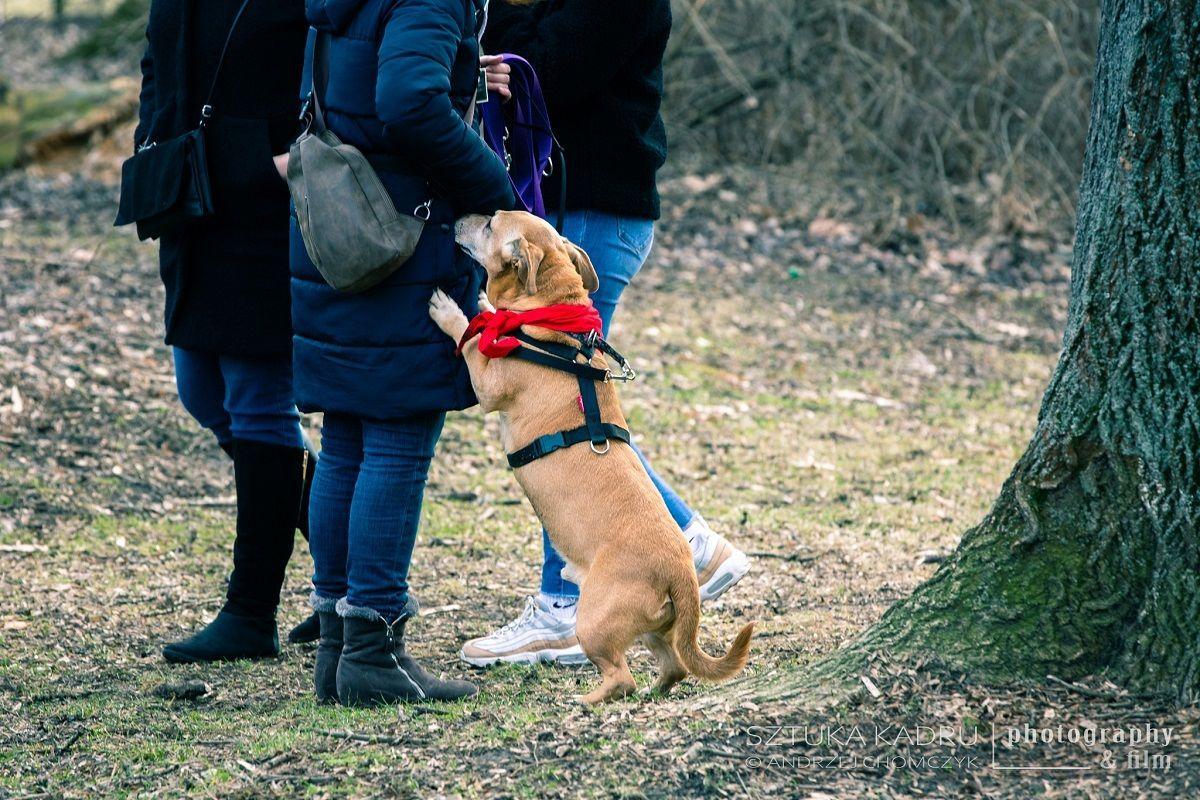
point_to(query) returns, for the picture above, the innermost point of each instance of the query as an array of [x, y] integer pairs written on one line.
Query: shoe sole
[[732, 570], [177, 657], [568, 657]]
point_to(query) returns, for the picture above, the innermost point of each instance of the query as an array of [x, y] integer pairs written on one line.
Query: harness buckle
[[607, 447], [422, 211]]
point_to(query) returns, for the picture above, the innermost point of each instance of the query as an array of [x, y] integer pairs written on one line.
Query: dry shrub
[[974, 110]]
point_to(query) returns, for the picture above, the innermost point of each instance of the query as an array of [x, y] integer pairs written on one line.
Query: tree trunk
[[1088, 561]]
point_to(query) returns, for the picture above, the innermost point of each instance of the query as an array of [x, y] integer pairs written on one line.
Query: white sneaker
[[538, 635], [719, 564]]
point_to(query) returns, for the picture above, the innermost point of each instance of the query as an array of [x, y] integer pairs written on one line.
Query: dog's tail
[[685, 596]]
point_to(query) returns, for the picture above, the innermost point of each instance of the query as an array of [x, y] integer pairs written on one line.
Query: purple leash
[[519, 132]]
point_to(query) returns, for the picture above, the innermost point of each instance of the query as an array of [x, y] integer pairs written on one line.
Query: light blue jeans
[[618, 247]]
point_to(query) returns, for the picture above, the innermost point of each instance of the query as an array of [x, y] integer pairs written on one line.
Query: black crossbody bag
[[165, 184]]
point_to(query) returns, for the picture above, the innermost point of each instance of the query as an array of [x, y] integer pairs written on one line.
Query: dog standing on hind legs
[[635, 571]]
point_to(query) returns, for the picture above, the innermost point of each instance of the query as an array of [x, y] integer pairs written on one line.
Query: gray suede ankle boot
[[375, 668]]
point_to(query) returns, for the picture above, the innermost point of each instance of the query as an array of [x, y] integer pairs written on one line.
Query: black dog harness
[[563, 357]]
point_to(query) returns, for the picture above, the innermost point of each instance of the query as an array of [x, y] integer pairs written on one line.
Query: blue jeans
[[239, 398], [366, 505], [618, 247]]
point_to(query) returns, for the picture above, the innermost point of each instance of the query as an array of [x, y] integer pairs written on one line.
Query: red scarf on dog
[[492, 327]]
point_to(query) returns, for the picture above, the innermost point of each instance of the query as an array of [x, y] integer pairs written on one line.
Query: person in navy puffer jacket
[[402, 74]]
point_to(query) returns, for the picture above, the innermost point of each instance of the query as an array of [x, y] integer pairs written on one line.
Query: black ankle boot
[[307, 631], [227, 638], [310, 470], [376, 669], [269, 482], [329, 653], [310, 629]]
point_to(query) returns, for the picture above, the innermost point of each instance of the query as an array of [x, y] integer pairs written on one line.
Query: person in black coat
[[227, 313], [600, 65]]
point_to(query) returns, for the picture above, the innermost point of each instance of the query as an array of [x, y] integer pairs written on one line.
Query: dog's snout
[[468, 225]]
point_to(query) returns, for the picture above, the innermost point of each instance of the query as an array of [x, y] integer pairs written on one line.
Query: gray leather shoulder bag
[[350, 226]]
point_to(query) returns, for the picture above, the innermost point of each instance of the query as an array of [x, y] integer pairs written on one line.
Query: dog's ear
[[526, 258], [583, 265]]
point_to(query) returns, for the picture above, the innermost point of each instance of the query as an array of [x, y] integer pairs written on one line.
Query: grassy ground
[[841, 406], [841, 410]]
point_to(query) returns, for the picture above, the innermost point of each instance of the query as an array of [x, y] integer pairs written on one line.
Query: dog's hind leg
[[670, 671], [605, 632]]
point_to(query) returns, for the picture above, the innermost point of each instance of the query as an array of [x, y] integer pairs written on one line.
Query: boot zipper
[[391, 637], [404, 672]]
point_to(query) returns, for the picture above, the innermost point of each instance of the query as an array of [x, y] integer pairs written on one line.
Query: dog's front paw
[[485, 304], [448, 316]]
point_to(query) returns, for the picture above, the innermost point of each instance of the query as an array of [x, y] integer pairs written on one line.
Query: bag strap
[[206, 111], [481, 23], [320, 80]]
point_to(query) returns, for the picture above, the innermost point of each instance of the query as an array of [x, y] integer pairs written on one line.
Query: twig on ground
[[62, 749], [205, 502], [369, 738], [1084, 690], [801, 559], [52, 696]]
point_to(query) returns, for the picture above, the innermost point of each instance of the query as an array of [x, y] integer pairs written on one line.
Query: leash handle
[[556, 146]]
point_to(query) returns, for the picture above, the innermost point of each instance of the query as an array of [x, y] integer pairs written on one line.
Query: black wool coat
[[226, 278], [600, 64]]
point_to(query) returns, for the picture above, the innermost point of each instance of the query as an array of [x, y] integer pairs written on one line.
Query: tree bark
[[1088, 562]]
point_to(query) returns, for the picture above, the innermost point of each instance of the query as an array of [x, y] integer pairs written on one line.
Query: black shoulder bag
[[165, 184]]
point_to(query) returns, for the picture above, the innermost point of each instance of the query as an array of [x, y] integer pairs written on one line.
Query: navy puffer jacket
[[401, 76]]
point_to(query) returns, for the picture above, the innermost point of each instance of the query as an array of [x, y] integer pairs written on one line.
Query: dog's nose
[[468, 223]]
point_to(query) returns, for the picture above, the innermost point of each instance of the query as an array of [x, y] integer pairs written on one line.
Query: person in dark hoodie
[[402, 75], [599, 63], [226, 278]]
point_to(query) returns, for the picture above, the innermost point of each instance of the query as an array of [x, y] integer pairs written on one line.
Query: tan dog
[[604, 516]]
